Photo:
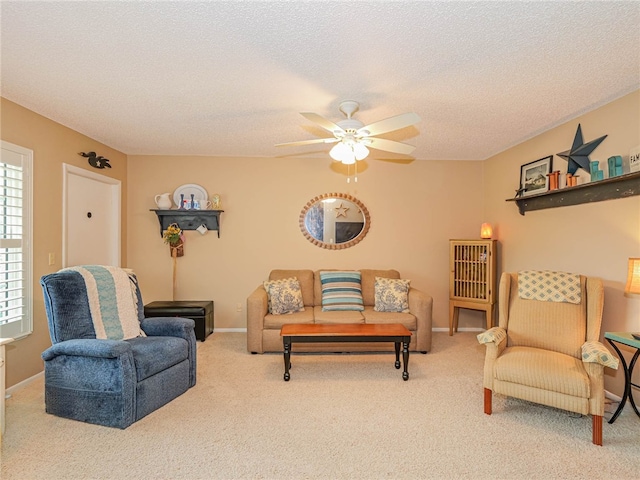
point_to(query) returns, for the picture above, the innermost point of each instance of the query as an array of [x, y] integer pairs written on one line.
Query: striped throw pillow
[[341, 291]]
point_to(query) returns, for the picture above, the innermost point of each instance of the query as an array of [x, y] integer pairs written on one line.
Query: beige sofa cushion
[[373, 317], [277, 321], [305, 277], [337, 317]]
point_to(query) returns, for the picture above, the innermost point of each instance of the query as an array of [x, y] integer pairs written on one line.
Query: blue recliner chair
[[111, 382]]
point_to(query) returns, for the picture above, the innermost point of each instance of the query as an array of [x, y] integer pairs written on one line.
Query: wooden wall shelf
[[189, 219], [609, 189]]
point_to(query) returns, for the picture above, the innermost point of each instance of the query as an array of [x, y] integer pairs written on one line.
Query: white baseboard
[[461, 329], [22, 384], [612, 396], [237, 330]]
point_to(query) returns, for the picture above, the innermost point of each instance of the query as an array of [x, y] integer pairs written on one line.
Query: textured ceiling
[[229, 78]]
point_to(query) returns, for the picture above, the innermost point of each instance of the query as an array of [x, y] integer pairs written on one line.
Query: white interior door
[[91, 218]]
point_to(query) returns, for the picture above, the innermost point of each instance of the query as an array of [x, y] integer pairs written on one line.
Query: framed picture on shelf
[[534, 177]]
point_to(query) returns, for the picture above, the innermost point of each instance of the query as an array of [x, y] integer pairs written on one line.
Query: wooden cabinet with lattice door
[[472, 278]]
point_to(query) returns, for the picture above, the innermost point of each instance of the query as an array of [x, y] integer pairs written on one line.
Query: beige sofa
[[263, 329]]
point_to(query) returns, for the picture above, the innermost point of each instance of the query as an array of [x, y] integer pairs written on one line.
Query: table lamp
[[486, 231], [633, 283]]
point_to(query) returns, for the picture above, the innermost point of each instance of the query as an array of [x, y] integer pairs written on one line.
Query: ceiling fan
[[352, 137]]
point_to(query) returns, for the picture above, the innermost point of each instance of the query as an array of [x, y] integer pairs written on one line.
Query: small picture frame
[[534, 176]]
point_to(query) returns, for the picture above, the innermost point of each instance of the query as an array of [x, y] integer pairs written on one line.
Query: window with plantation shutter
[[15, 241]]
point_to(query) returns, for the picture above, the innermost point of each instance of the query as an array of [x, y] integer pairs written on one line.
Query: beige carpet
[[340, 417]]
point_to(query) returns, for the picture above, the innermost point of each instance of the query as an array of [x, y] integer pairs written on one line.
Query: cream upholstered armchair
[[546, 349]]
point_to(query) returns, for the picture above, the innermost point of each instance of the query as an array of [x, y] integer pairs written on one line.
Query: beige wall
[[415, 208], [52, 145], [593, 239]]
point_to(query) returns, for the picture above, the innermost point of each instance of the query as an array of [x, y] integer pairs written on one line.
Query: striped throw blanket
[[112, 301]]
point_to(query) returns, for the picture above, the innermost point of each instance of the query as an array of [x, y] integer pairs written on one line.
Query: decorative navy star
[[578, 156]]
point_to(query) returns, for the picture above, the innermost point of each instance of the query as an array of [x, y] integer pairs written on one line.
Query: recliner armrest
[[87, 347], [175, 327], [596, 352], [168, 327]]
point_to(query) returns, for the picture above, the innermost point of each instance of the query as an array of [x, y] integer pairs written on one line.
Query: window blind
[[15, 254]]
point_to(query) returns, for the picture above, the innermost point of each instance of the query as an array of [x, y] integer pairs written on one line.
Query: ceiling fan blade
[[389, 145], [307, 142], [390, 124], [323, 122]]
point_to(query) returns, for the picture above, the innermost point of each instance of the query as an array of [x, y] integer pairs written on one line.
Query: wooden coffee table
[[314, 333]]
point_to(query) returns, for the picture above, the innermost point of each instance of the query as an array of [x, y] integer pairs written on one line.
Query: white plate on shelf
[[187, 190]]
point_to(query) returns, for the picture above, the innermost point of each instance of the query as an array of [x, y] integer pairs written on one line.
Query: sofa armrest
[[88, 347], [257, 309], [596, 352], [421, 306]]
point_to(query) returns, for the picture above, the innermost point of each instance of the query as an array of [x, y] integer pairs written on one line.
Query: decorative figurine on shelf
[[216, 202], [615, 166], [578, 155], [554, 178], [596, 173], [96, 161], [572, 180]]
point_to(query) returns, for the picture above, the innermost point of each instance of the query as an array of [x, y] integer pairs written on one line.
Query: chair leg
[[597, 429], [487, 401]]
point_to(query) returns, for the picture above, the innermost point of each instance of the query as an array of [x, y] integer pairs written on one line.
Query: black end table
[[628, 339], [199, 311]]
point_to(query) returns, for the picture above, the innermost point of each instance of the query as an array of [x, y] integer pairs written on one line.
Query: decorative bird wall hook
[[97, 161]]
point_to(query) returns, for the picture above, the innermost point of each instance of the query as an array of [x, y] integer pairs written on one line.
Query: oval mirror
[[334, 221]]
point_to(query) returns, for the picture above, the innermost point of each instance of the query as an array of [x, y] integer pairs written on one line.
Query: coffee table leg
[[287, 357], [405, 358], [397, 345]]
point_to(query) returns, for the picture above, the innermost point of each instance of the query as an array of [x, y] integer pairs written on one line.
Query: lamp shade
[[633, 277], [360, 151], [486, 231], [341, 152]]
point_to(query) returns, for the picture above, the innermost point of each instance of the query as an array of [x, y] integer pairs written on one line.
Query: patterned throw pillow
[[391, 295], [285, 296], [341, 291]]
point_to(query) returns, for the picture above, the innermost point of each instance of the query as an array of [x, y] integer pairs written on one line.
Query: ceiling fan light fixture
[[360, 151], [353, 139], [341, 152]]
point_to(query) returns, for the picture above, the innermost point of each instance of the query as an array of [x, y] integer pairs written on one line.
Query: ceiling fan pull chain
[[348, 173], [355, 178]]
